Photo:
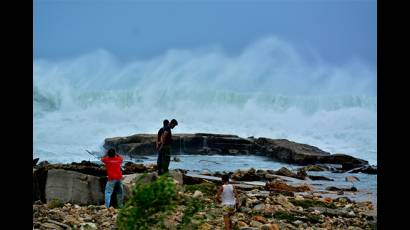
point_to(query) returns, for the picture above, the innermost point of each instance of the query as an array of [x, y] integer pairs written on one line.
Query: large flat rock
[[74, 187], [281, 150]]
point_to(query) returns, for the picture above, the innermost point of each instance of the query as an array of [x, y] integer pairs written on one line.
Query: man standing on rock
[[164, 148], [113, 163], [160, 132]]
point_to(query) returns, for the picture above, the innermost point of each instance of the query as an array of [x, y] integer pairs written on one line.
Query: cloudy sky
[[335, 30]]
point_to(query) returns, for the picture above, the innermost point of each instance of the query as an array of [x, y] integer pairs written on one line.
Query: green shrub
[[148, 204], [193, 205], [208, 189], [55, 203], [285, 216], [314, 219], [311, 203]]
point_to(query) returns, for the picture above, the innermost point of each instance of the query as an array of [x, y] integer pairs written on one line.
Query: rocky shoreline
[[70, 196]]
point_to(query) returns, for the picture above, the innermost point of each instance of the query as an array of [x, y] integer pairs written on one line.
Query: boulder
[[59, 224], [197, 194], [347, 162], [85, 167], [130, 168], [331, 211], [50, 226], [87, 164], [333, 188], [190, 180], [299, 197], [128, 183], [205, 226], [242, 224], [79, 174], [228, 144], [290, 152], [74, 187], [261, 172], [285, 172], [328, 200], [256, 224], [130, 180], [134, 145], [259, 207], [316, 168], [281, 192], [270, 227], [260, 219], [319, 178], [365, 169], [343, 200], [281, 186], [249, 175], [301, 174], [178, 176], [269, 176], [283, 200]]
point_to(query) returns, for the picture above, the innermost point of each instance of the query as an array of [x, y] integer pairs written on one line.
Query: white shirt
[[228, 197]]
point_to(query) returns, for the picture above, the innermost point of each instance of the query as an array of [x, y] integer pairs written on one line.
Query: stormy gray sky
[[336, 30]]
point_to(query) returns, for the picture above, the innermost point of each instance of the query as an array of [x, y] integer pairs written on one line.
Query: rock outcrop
[[281, 150]]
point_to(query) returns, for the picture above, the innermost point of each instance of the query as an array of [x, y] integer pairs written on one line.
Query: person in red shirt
[[113, 163]]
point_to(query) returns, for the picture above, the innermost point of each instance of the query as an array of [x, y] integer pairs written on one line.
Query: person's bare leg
[[227, 221]]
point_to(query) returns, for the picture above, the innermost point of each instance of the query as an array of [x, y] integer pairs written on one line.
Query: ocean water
[[268, 90], [214, 163]]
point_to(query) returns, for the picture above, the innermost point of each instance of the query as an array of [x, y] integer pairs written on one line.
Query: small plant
[[312, 203], [55, 203], [313, 219], [148, 204], [208, 189], [285, 216], [193, 205]]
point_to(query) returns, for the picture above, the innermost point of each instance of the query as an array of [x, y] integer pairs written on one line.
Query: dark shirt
[[168, 140], [160, 132]]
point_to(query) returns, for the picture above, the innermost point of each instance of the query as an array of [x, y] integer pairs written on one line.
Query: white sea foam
[[267, 90]]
